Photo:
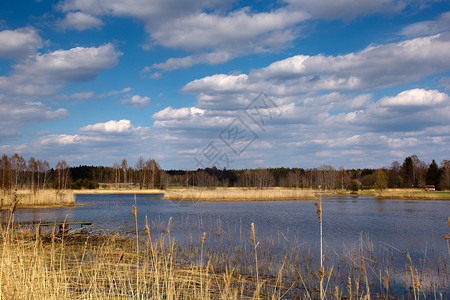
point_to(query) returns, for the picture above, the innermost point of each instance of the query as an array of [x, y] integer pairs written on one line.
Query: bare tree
[[46, 170], [444, 180], [124, 166], [62, 174], [326, 177], [140, 166], [116, 168], [153, 174], [32, 169], [5, 168]]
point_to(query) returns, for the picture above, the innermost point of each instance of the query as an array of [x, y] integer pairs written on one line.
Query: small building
[[429, 187]]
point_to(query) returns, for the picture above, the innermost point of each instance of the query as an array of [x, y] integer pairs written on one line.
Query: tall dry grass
[[40, 198], [236, 194], [407, 194]]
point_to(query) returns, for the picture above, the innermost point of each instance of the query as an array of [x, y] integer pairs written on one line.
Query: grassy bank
[[118, 191], [38, 199], [408, 194], [255, 194], [60, 198], [238, 194]]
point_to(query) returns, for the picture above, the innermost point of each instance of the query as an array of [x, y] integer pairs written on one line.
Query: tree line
[[17, 172]]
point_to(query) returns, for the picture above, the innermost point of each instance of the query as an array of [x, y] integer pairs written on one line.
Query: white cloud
[[344, 129], [441, 24], [417, 98], [332, 9], [43, 75], [218, 83], [374, 67], [239, 27], [173, 63], [19, 43], [409, 111], [116, 92], [112, 139], [137, 101], [76, 64], [15, 114], [122, 126], [215, 34], [80, 21], [180, 113]]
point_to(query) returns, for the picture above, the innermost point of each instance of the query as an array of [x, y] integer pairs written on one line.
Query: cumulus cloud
[[122, 126], [323, 128], [216, 34], [80, 21], [45, 74], [238, 28], [409, 111], [76, 64], [416, 98], [239, 33], [19, 43], [441, 24], [175, 63], [180, 113], [111, 139], [333, 9], [218, 83], [42, 76], [374, 67], [14, 115], [137, 101]]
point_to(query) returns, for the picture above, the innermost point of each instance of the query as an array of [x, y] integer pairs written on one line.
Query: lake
[[404, 224], [386, 230]]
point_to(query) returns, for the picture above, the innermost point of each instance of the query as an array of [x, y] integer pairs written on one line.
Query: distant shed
[[429, 187]]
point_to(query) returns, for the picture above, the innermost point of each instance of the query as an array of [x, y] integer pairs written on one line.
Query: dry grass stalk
[[321, 270], [238, 194]]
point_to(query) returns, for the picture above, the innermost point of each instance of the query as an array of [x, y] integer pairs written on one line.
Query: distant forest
[[17, 173]]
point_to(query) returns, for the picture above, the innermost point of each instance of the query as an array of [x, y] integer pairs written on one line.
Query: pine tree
[[432, 176]]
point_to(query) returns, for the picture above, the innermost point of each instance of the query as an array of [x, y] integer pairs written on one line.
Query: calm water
[[406, 225]]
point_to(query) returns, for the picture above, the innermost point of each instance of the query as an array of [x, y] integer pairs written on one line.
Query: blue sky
[[236, 84]]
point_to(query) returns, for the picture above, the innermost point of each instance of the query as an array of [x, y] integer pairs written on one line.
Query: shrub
[[84, 184]]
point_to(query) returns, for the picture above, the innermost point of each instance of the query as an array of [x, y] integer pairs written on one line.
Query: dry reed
[[237, 194], [40, 198]]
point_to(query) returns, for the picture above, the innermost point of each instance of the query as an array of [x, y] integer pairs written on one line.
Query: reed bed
[[39, 198], [238, 194], [118, 191], [407, 194], [148, 262]]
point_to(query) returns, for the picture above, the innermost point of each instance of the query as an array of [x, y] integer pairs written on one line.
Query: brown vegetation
[[407, 194], [237, 194], [37, 199]]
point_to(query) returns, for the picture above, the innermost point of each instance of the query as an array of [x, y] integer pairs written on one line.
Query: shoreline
[[281, 194], [51, 199], [118, 192]]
